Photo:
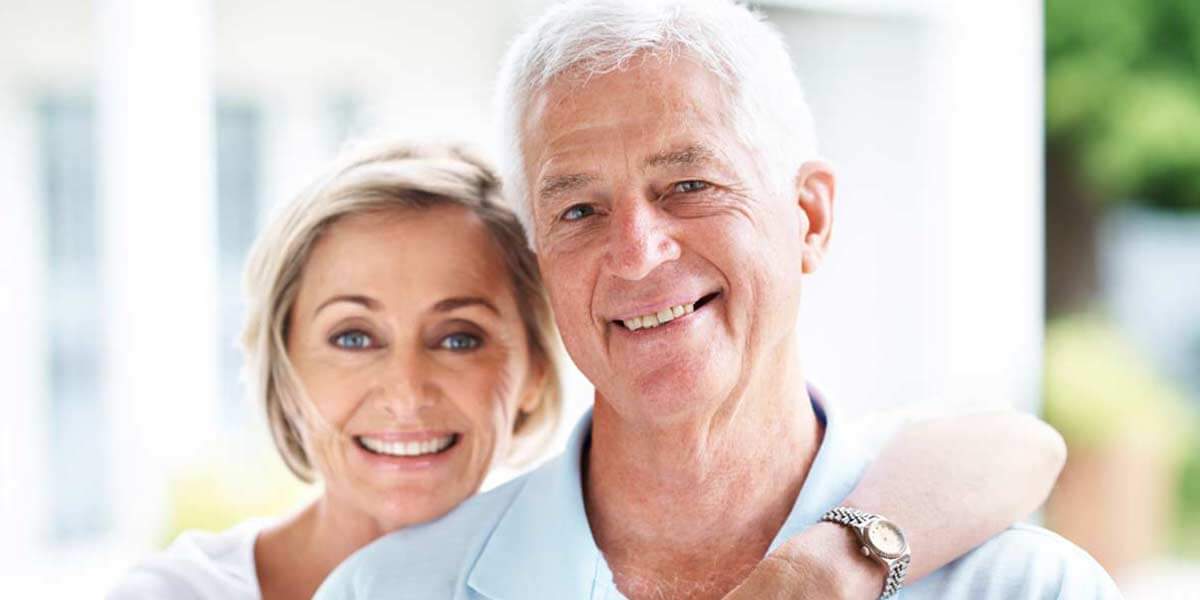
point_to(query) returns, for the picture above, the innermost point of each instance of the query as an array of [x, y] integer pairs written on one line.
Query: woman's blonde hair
[[383, 177]]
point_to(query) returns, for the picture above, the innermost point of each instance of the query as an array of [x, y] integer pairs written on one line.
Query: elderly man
[[667, 166]]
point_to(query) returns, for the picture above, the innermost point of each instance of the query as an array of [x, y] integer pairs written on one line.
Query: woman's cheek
[[480, 402], [331, 400], [504, 403]]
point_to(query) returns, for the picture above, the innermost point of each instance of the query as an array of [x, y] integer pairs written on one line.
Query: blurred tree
[[1122, 126], [1123, 97]]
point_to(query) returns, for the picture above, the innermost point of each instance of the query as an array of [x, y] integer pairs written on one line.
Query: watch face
[[885, 538]]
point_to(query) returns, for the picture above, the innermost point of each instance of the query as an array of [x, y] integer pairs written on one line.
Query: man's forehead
[[656, 115], [578, 99], [667, 135]]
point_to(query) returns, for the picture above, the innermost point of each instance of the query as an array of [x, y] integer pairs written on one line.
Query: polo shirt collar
[[543, 546], [836, 469]]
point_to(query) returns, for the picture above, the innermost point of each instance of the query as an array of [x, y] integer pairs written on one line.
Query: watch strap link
[[849, 516], [897, 571]]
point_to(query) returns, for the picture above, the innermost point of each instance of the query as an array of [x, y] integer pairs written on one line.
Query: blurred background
[[1018, 224]]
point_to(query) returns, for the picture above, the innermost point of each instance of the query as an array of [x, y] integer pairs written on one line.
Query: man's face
[[673, 267]]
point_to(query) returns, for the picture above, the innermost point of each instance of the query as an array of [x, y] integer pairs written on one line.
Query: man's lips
[[664, 313]]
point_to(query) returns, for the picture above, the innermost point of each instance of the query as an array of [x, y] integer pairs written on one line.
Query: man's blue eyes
[[690, 186], [578, 212], [581, 211]]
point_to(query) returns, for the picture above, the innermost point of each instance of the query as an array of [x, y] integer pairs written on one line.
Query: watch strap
[[859, 519], [850, 516], [897, 571]]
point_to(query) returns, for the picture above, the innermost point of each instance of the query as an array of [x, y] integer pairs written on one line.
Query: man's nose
[[641, 239]]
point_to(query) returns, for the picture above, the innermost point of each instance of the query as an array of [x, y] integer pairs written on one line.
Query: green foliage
[[1187, 538], [1100, 391], [1123, 96]]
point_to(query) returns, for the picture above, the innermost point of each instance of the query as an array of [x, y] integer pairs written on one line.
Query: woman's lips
[[407, 445]]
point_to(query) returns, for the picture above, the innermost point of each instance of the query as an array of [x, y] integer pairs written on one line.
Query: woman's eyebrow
[[450, 304], [364, 301]]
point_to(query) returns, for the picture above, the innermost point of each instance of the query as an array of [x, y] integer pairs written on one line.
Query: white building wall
[[931, 113], [45, 47], [154, 106], [994, 170]]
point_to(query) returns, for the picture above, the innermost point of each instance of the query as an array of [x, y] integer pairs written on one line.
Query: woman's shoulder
[[198, 564]]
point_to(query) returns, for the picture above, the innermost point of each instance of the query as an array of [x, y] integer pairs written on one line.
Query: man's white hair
[[594, 37]]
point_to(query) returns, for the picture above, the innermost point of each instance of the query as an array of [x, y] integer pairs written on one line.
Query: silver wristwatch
[[881, 539]]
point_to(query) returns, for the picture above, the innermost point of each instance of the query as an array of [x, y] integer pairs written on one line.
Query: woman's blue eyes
[[358, 340], [578, 212], [459, 342], [352, 340]]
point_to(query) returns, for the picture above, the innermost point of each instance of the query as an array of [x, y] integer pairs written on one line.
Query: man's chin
[[666, 398]]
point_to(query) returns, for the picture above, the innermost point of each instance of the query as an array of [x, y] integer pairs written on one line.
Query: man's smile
[[657, 317]]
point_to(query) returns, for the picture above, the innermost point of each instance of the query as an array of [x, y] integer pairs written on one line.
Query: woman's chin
[[408, 511], [401, 492]]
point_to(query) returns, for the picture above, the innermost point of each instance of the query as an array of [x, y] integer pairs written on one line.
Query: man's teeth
[[432, 446], [665, 315]]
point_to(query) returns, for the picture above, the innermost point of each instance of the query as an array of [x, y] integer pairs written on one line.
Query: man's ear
[[815, 186]]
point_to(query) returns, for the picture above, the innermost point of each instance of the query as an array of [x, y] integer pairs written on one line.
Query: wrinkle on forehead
[[691, 95], [569, 87]]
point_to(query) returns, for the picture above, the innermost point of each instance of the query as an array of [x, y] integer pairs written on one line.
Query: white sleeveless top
[[198, 565]]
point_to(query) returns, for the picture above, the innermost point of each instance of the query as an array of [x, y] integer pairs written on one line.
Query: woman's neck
[[295, 556]]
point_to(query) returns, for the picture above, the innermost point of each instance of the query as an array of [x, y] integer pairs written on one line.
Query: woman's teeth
[[665, 315], [431, 446]]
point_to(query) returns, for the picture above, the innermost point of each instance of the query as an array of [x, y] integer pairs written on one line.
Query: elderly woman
[[401, 345]]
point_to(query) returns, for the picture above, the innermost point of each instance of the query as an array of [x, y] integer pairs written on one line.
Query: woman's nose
[[407, 387]]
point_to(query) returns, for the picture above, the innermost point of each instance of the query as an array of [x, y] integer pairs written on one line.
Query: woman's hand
[[822, 562], [950, 483]]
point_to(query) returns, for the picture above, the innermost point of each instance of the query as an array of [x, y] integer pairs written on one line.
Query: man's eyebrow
[[557, 185], [450, 304], [687, 156], [364, 301]]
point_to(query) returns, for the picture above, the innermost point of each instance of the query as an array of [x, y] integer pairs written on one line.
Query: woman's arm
[[949, 483]]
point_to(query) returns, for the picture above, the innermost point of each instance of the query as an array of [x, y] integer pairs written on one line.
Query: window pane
[[78, 437], [238, 142]]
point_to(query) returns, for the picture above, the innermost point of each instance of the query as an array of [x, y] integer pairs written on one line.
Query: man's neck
[[688, 509]]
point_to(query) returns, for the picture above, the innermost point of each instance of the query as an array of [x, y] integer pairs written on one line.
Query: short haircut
[[383, 177], [748, 56]]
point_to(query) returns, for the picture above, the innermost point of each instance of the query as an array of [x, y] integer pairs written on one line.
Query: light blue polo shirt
[[530, 539]]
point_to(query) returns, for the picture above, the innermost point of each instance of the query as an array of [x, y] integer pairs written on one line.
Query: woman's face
[[407, 340]]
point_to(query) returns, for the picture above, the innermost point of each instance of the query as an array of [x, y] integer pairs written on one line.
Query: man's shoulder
[[1022, 563], [431, 560]]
